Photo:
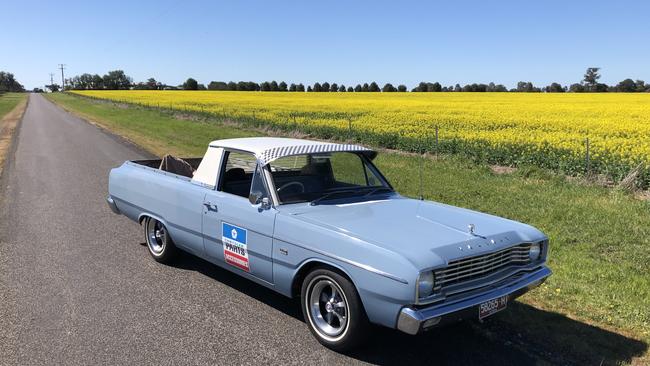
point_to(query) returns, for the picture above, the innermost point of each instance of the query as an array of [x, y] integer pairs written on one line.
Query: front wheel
[[159, 243], [333, 310]]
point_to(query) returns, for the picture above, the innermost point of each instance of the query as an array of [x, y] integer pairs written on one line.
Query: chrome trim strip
[[350, 262], [353, 263]]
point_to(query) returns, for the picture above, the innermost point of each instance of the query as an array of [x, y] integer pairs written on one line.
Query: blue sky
[[346, 42]]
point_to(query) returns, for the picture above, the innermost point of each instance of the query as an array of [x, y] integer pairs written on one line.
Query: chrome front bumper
[[112, 205], [413, 320]]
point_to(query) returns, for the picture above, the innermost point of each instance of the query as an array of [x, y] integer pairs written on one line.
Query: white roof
[[267, 149]]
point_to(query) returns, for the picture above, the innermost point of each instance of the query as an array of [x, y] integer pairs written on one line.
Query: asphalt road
[[78, 286]]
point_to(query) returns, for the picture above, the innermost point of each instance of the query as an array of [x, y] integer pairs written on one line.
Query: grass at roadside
[[600, 238], [12, 106], [9, 101]]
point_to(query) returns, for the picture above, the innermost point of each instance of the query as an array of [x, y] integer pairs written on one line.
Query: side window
[[258, 186], [238, 173], [348, 168]]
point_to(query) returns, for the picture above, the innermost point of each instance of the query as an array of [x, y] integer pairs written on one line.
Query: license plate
[[490, 307]]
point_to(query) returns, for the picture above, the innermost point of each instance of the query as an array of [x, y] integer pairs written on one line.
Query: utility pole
[[51, 78], [62, 66]]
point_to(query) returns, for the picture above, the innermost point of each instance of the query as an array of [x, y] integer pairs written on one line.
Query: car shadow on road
[[522, 335]]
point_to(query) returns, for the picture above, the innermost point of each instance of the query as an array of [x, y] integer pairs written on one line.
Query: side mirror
[[266, 203], [255, 198]]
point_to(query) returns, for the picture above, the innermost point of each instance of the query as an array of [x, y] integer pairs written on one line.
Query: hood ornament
[[471, 228]]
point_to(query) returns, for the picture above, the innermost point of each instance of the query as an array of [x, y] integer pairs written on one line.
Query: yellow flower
[[548, 130]]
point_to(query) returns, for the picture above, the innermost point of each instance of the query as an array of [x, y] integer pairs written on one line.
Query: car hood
[[426, 233]]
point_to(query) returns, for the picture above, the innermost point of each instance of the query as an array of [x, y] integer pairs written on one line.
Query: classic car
[[319, 221]]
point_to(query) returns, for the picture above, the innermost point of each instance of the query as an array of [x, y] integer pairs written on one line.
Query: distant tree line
[[113, 80], [118, 80], [8, 83]]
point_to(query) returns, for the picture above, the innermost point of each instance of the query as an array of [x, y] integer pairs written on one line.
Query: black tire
[[159, 243], [338, 336]]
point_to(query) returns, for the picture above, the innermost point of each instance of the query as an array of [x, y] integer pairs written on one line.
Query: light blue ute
[[318, 221]]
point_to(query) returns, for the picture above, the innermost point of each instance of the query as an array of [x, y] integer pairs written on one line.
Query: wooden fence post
[[587, 157]]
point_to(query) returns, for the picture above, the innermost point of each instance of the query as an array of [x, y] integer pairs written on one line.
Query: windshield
[[323, 176]]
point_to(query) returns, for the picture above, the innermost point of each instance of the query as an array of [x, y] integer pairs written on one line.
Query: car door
[[236, 232]]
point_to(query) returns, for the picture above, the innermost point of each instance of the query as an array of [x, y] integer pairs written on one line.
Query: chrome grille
[[468, 269]]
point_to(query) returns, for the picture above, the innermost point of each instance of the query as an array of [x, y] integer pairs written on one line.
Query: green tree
[[600, 88], [8, 83], [626, 86], [554, 88], [117, 80], [292, 87], [359, 88], [300, 88], [577, 88], [334, 87], [350, 89], [152, 84], [218, 85], [190, 84], [325, 87], [526, 87], [97, 82], [401, 88], [435, 87], [266, 86], [591, 77], [282, 86], [422, 87], [342, 88], [309, 89], [317, 87], [388, 88], [365, 87], [374, 87]]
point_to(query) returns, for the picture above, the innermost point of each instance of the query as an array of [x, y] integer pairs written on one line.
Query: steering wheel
[[286, 185]]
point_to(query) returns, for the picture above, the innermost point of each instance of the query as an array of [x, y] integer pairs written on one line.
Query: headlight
[[425, 284], [535, 251]]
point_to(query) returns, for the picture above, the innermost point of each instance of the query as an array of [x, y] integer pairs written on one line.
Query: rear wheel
[[159, 243], [333, 310]]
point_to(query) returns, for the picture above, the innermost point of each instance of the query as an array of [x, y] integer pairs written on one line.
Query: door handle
[[211, 207]]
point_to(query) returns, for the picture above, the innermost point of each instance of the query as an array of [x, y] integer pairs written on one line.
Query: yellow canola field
[[547, 130]]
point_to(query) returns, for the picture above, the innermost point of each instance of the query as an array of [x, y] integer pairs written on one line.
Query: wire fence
[[567, 161]]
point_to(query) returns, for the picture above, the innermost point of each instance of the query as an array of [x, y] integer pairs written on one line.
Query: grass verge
[[596, 306], [12, 107]]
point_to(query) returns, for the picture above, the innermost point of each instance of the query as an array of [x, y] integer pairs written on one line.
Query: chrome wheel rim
[[328, 308], [156, 236]]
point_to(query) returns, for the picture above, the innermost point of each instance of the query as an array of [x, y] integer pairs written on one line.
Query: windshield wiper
[[330, 194], [379, 189], [373, 190]]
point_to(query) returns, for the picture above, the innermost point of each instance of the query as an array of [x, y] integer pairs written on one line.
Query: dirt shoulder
[[8, 126]]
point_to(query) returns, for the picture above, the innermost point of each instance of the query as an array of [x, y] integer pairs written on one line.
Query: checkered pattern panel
[[269, 155]]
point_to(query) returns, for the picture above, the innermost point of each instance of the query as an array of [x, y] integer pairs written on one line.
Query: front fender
[[381, 296]]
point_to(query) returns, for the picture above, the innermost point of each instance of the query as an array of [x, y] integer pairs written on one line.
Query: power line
[[62, 66]]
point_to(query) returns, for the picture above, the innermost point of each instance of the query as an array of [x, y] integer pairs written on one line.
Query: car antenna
[[422, 150]]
